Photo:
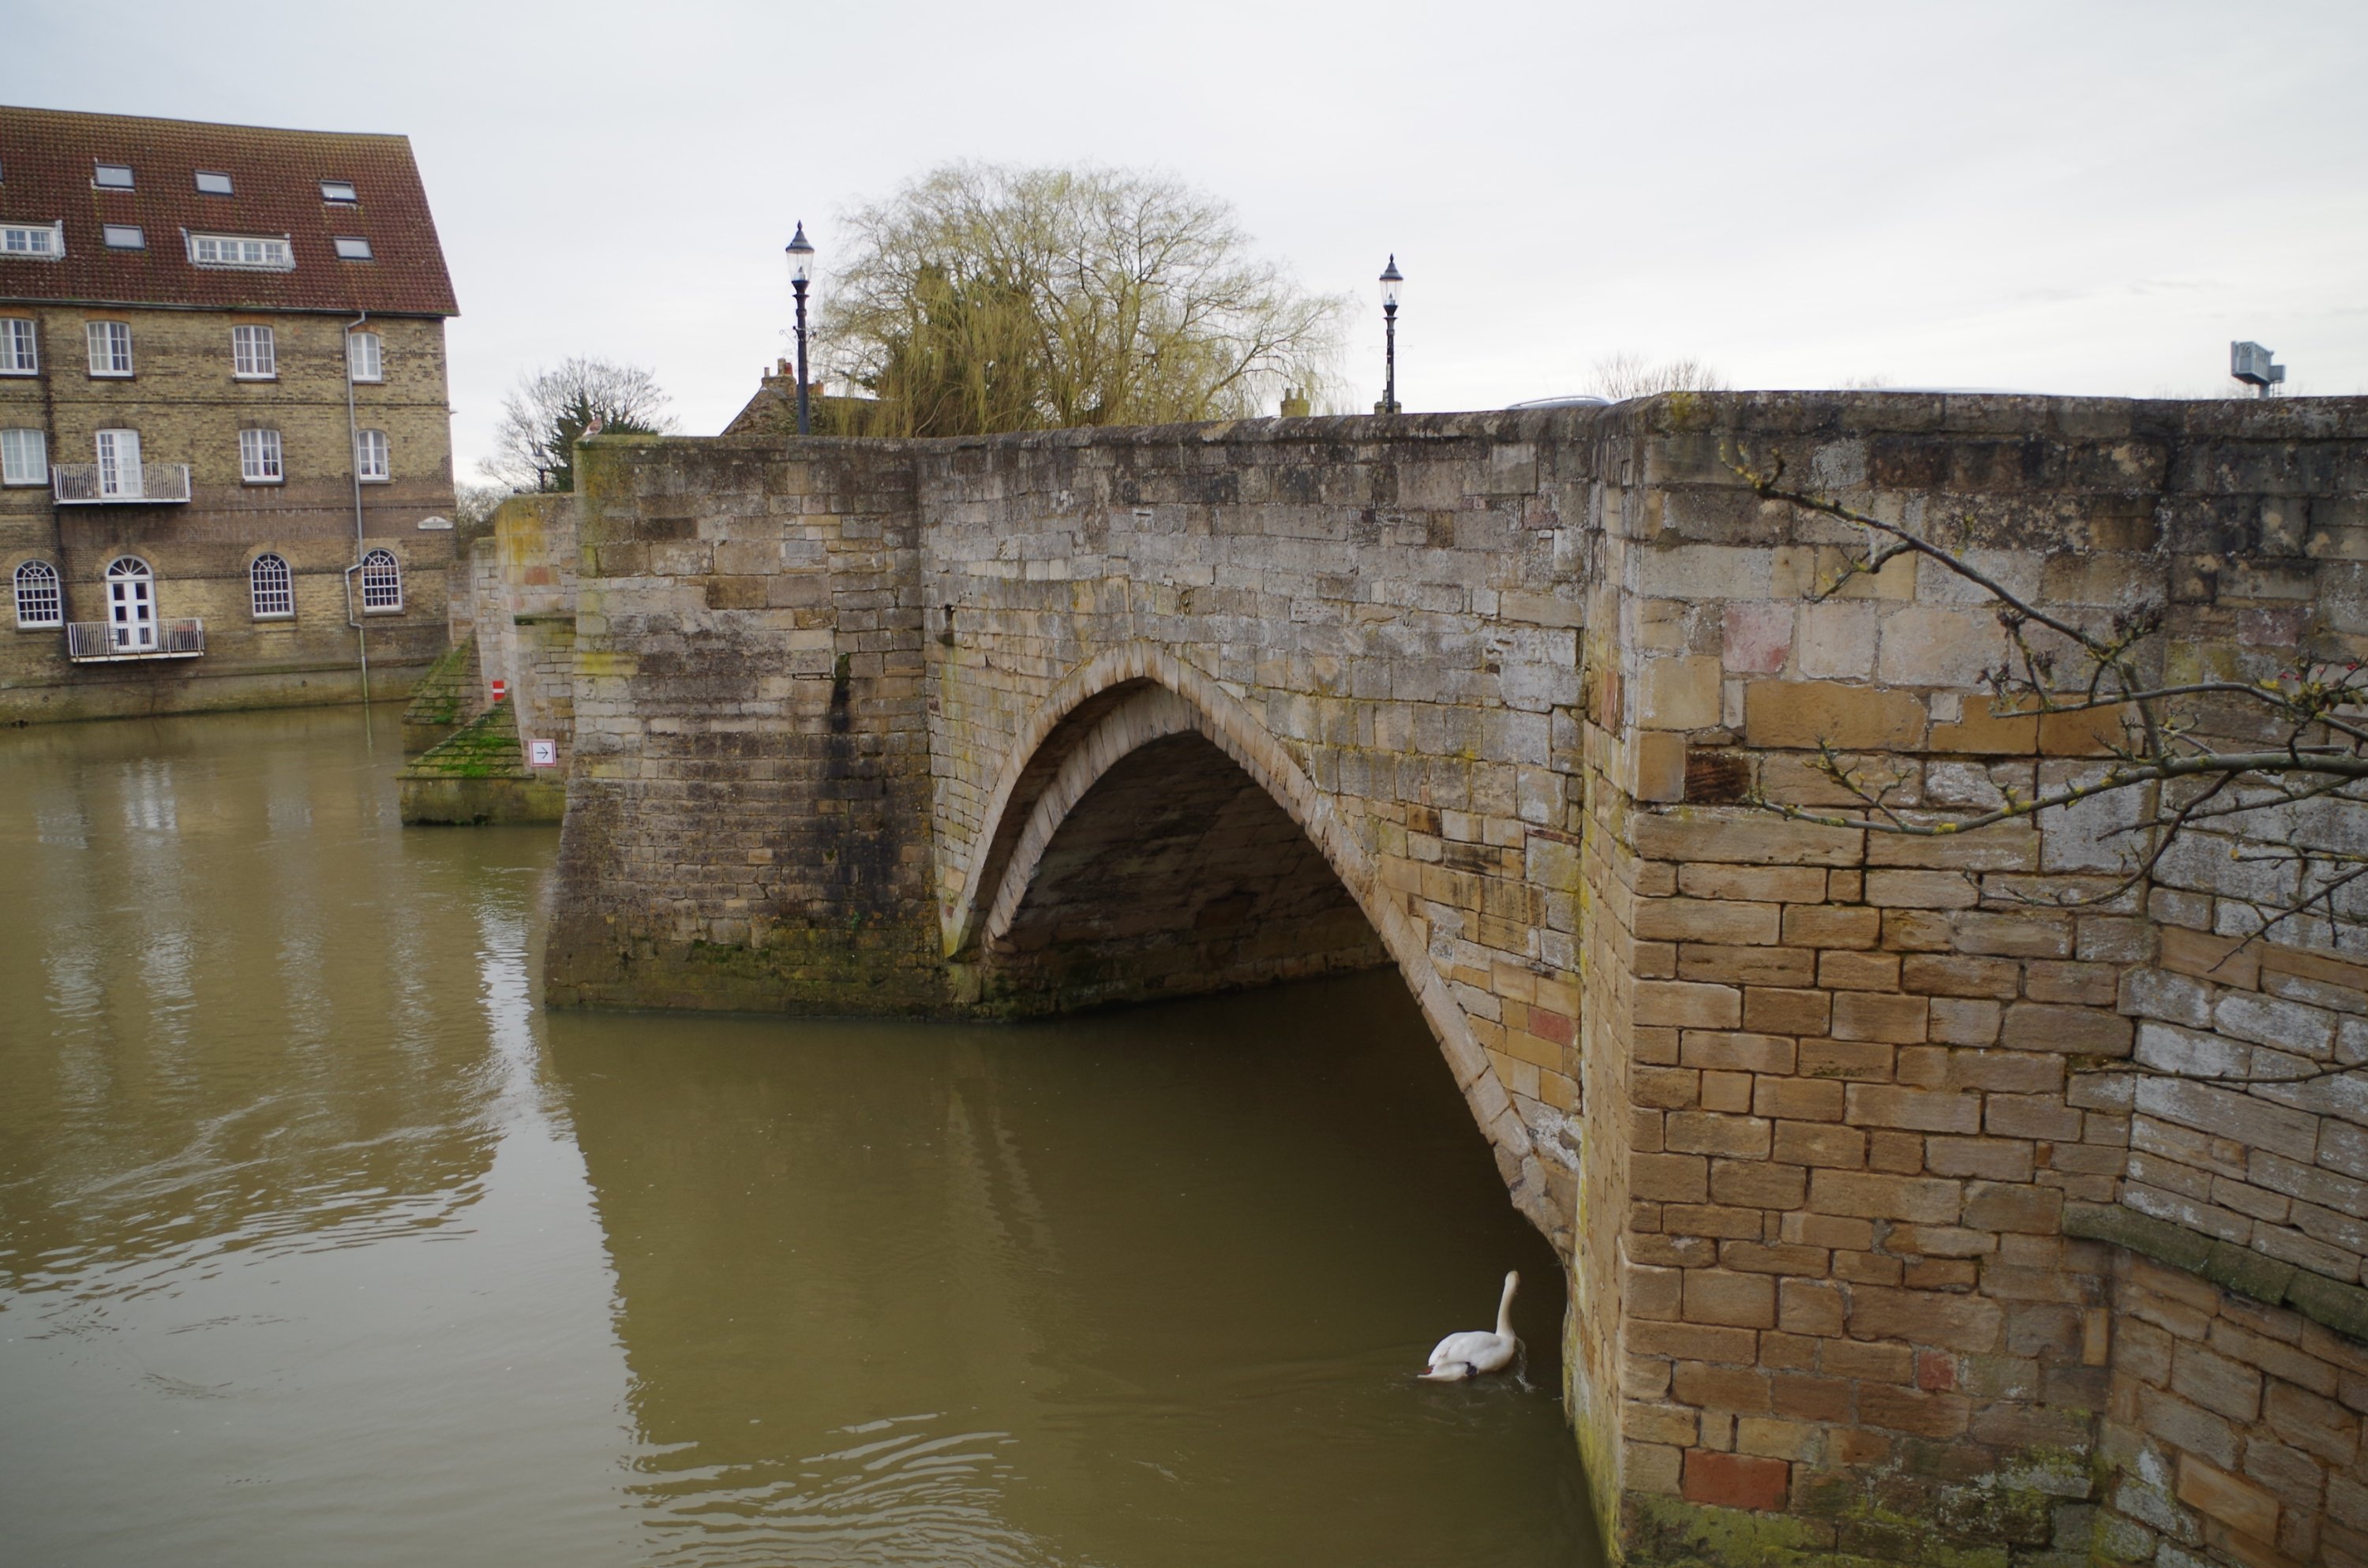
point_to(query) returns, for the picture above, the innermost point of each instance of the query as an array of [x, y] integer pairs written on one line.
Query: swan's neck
[[1505, 1310]]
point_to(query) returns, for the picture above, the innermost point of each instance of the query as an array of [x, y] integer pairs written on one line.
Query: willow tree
[[983, 298]]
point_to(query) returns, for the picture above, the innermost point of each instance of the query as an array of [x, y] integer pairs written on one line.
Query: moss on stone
[[2340, 1306]]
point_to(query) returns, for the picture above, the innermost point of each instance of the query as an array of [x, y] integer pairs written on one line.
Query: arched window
[[38, 602], [381, 584], [271, 587]]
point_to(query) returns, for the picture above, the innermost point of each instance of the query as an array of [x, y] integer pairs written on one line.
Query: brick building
[[225, 452]]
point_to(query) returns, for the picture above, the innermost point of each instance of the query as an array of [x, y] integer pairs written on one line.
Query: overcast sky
[[2056, 197]]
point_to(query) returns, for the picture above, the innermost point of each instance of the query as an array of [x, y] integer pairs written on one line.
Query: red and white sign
[[501, 689]]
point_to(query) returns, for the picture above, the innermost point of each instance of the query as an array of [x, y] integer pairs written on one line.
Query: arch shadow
[[1116, 720]]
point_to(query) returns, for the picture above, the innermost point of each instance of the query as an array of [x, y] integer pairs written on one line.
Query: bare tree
[[2269, 774], [550, 410], [1624, 375], [985, 297]]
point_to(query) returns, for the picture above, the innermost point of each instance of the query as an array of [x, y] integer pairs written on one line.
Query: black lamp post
[[1390, 278], [802, 254]]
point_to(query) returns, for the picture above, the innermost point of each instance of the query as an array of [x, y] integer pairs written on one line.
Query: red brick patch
[[1736, 1481]]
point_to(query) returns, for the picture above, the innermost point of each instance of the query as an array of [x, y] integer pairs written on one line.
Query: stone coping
[[2338, 1306], [1855, 413]]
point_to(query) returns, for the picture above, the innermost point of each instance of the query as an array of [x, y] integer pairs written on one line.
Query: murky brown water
[[320, 1241]]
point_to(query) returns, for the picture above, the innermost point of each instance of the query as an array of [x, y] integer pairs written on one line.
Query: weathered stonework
[[1907, 1219]]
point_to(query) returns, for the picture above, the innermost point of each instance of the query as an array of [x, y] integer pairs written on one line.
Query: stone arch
[[1138, 696]]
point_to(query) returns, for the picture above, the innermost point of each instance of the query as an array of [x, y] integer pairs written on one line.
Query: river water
[[320, 1241]]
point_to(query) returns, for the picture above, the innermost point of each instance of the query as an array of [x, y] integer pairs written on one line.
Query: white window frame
[[120, 477], [242, 253], [270, 587], [41, 591], [20, 346], [33, 242], [131, 180], [373, 457], [254, 354], [110, 348], [352, 247], [381, 584], [365, 357], [227, 187], [24, 456], [123, 236], [259, 458], [330, 189]]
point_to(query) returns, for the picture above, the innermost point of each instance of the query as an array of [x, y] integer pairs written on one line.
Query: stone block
[[2007, 1206], [1758, 1183], [1935, 645], [1946, 1321], [1756, 639], [1688, 1004], [1680, 693], [2083, 1031], [1928, 1111], [1961, 1021], [1756, 840], [2023, 934], [1708, 1132], [1991, 1159], [1873, 1016], [1737, 1480], [1737, 1052], [1819, 1143], [2215, 1493], [1707, 920], [1872, 1195], [1861, 1059], [1730, 1299], [1845, 970], [1805, 715], [1737, 1389], [1809, 1306], [1921, 890], [1832, 925], [1786, 1011], [1913, 1411], [1798, 1099], [1754, 884], [1950, 974], [1836, 641]]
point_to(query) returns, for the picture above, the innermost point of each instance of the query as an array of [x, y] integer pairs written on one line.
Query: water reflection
[[318, 1240], [1142, 1288]]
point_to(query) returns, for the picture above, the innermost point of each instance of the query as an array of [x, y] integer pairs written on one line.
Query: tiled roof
[[47, 165]]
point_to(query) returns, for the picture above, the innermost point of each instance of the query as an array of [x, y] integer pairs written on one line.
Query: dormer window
[[123, 236], [339, 190], [37, 242], [212, 184], [250, 252], [111, 177], [352, 247]]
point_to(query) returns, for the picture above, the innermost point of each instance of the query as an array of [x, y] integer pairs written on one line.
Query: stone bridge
[[1905, 1220]]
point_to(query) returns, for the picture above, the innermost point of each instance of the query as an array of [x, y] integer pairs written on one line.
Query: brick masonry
[[1869, 1157]]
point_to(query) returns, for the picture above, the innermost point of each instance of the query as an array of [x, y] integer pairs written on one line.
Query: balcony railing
[[78, 484], [100, 642]]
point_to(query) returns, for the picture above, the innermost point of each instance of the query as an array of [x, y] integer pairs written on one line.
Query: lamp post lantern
[[802, 253], [1390, 278]]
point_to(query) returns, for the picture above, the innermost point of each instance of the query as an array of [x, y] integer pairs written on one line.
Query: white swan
[[1475, 1350]]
